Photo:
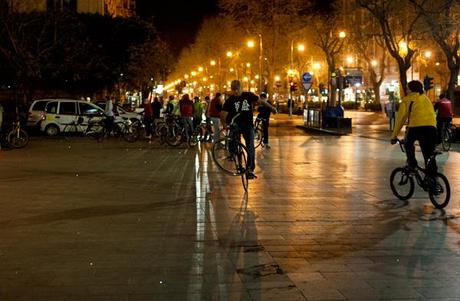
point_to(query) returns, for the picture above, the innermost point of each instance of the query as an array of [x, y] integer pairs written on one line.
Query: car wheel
[[51, 130]]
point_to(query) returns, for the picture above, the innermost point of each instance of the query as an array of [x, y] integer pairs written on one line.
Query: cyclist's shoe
[[251, 175], [266, 145]]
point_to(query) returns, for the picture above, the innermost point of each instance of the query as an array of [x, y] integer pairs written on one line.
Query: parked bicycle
[[16, 136], [402, 182], [230, 155], [448, 132]]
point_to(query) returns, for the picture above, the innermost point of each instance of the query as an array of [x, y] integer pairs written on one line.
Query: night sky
[[177, 20]]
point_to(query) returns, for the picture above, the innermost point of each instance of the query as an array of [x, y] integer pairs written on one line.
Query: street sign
[[306, 77], [306, 86]]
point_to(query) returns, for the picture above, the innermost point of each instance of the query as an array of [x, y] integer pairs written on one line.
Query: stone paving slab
[[118, 221]]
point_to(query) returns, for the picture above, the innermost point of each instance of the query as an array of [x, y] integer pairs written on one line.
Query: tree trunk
[[452, 83], [403, 78]]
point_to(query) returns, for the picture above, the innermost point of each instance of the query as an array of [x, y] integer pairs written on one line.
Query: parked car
[[120, 112], [36, 113], [61, 113]]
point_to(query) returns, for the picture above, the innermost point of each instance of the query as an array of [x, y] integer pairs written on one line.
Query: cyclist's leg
[[248, 135], [410, 148], [265, 125], [216, 126], [427, 139]]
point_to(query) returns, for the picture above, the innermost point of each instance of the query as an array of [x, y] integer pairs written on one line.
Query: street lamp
[[342, 34]]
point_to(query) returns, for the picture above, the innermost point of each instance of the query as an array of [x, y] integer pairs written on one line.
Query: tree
[[325, 21], [272, 20], [370, 47], [399, 26], [442, 18]]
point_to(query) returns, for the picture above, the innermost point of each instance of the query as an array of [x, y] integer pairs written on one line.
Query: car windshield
[[40, 105]]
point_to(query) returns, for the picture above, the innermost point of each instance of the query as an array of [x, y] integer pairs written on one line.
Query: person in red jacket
[[186, 112], [444, 114], [148, 118]]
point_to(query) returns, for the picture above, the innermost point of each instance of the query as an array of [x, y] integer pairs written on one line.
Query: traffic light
[[427, 83]]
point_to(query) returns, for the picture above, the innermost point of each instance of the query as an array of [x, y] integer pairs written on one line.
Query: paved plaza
[[81, 220]]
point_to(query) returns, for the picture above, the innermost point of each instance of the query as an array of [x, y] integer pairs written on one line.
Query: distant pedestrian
[[1, 118], [186, 112], [264, 114], [110, 115], [148, 118], [198, 109], [444, 114], [156, 108], [1, 123], [214, 109]]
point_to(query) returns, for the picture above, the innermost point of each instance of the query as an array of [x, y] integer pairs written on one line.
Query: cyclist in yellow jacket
[[417, 109]]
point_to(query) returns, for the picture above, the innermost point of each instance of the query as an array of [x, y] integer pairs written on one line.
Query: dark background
[[177, 20]]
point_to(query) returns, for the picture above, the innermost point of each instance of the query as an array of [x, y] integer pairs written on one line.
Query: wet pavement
[[119, 221]]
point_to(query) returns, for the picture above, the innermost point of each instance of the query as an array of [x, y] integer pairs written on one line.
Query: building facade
[[114, 8]]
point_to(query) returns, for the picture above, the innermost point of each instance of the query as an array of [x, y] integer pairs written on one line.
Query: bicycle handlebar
[[400, 142]]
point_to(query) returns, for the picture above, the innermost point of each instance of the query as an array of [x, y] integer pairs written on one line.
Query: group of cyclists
[[218, 113]]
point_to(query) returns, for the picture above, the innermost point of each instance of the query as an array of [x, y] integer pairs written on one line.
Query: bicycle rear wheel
[[258, 136], [439, 190], [401, 183], [225, 155], [18, 138], [446, 138]]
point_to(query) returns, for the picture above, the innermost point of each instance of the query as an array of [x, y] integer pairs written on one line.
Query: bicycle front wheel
[[243, 165], [18, 138], [402, 184], [228, 155], [439, 190]]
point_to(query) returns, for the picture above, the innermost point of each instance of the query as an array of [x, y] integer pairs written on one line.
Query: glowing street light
[[248, 65], [213, 63], [200, 69], [232, 70], [349, 59], [317, 66], [403, 48], [301, 47], [250, 44], [229, 54], [342, 34], [428, 54], [374, 63], [193, 73], [277, 78]]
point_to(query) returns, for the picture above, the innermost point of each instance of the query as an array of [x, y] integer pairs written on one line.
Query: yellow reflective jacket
[[422, 112]]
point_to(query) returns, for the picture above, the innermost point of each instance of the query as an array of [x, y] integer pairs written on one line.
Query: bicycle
[[16, 137], [230, 155], [402, 182], [448, 132]]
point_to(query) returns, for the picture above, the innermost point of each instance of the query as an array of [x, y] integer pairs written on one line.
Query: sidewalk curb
[[324, 131]]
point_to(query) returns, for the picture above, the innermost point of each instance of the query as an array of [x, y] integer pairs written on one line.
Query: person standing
[[148, 119], [110, 116], [213, 113], [1, 123], [197, 112], [264, 115], [242, 103], [443, 108], [186, 112], [417, 109], [156, 108]]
